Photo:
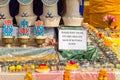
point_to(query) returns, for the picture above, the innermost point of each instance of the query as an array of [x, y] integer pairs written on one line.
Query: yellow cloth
[[86, 12], [100, 8]]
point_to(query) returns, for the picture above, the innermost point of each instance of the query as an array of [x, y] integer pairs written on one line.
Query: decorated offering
[[26, 12], [19, 68], [67, 75], [39, 28], [103, 75], [7, 38], [43, 67], [29, 76], [24, 33], [39, 33], [72, 65], [50, 16]]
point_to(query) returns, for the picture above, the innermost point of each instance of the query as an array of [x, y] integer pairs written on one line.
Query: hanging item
[[4, 2], [49, 2], [25, 2], [26, 12], [50, 15]]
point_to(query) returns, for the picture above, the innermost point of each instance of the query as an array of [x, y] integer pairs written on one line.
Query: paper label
[[72, 39]]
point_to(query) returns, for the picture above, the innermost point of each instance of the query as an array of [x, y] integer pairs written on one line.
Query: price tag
[[72, 39]]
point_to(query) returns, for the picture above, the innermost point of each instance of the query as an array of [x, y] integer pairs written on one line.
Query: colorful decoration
[[49, 2], [25, 14], [67, 75], [25, 2], [26, 67], [24, 28], [39, 28], [109, 19], [4, 2], [72, 65], [2, 16], [12, 68], [29, 76], [8, 28], [43, 68], [49, 15], [103, 74], [51, 42], [19, 68], [111, 51]]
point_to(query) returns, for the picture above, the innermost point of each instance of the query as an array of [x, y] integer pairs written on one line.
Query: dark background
[[37, 4], [37, 8]]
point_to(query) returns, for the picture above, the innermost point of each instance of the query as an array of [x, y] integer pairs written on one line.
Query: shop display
[[30, 48]]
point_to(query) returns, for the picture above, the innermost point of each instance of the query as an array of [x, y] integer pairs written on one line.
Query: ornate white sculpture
[[26, 12], [50, 15], [72, 16], [4, 11]]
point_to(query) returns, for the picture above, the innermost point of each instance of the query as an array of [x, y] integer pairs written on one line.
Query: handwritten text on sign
[[72, 39]]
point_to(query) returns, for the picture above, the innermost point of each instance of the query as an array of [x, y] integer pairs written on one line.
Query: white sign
[[72, 39]]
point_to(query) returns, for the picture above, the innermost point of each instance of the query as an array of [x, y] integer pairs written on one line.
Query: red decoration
[[24, 30], [38, 23], [8, 22], [43, 64]]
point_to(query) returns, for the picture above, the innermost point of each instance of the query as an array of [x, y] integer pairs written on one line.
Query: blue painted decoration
[[39, 29], [8, 29], [2, 16], [82, 7], [24, 29], [49, 15]]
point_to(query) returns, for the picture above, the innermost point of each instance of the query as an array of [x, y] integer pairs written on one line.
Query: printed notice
[[72, 39]]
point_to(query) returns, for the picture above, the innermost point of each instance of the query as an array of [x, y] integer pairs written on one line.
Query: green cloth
[[90, 54]]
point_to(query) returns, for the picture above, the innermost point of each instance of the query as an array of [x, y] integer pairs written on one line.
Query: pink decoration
[[109, 19]]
